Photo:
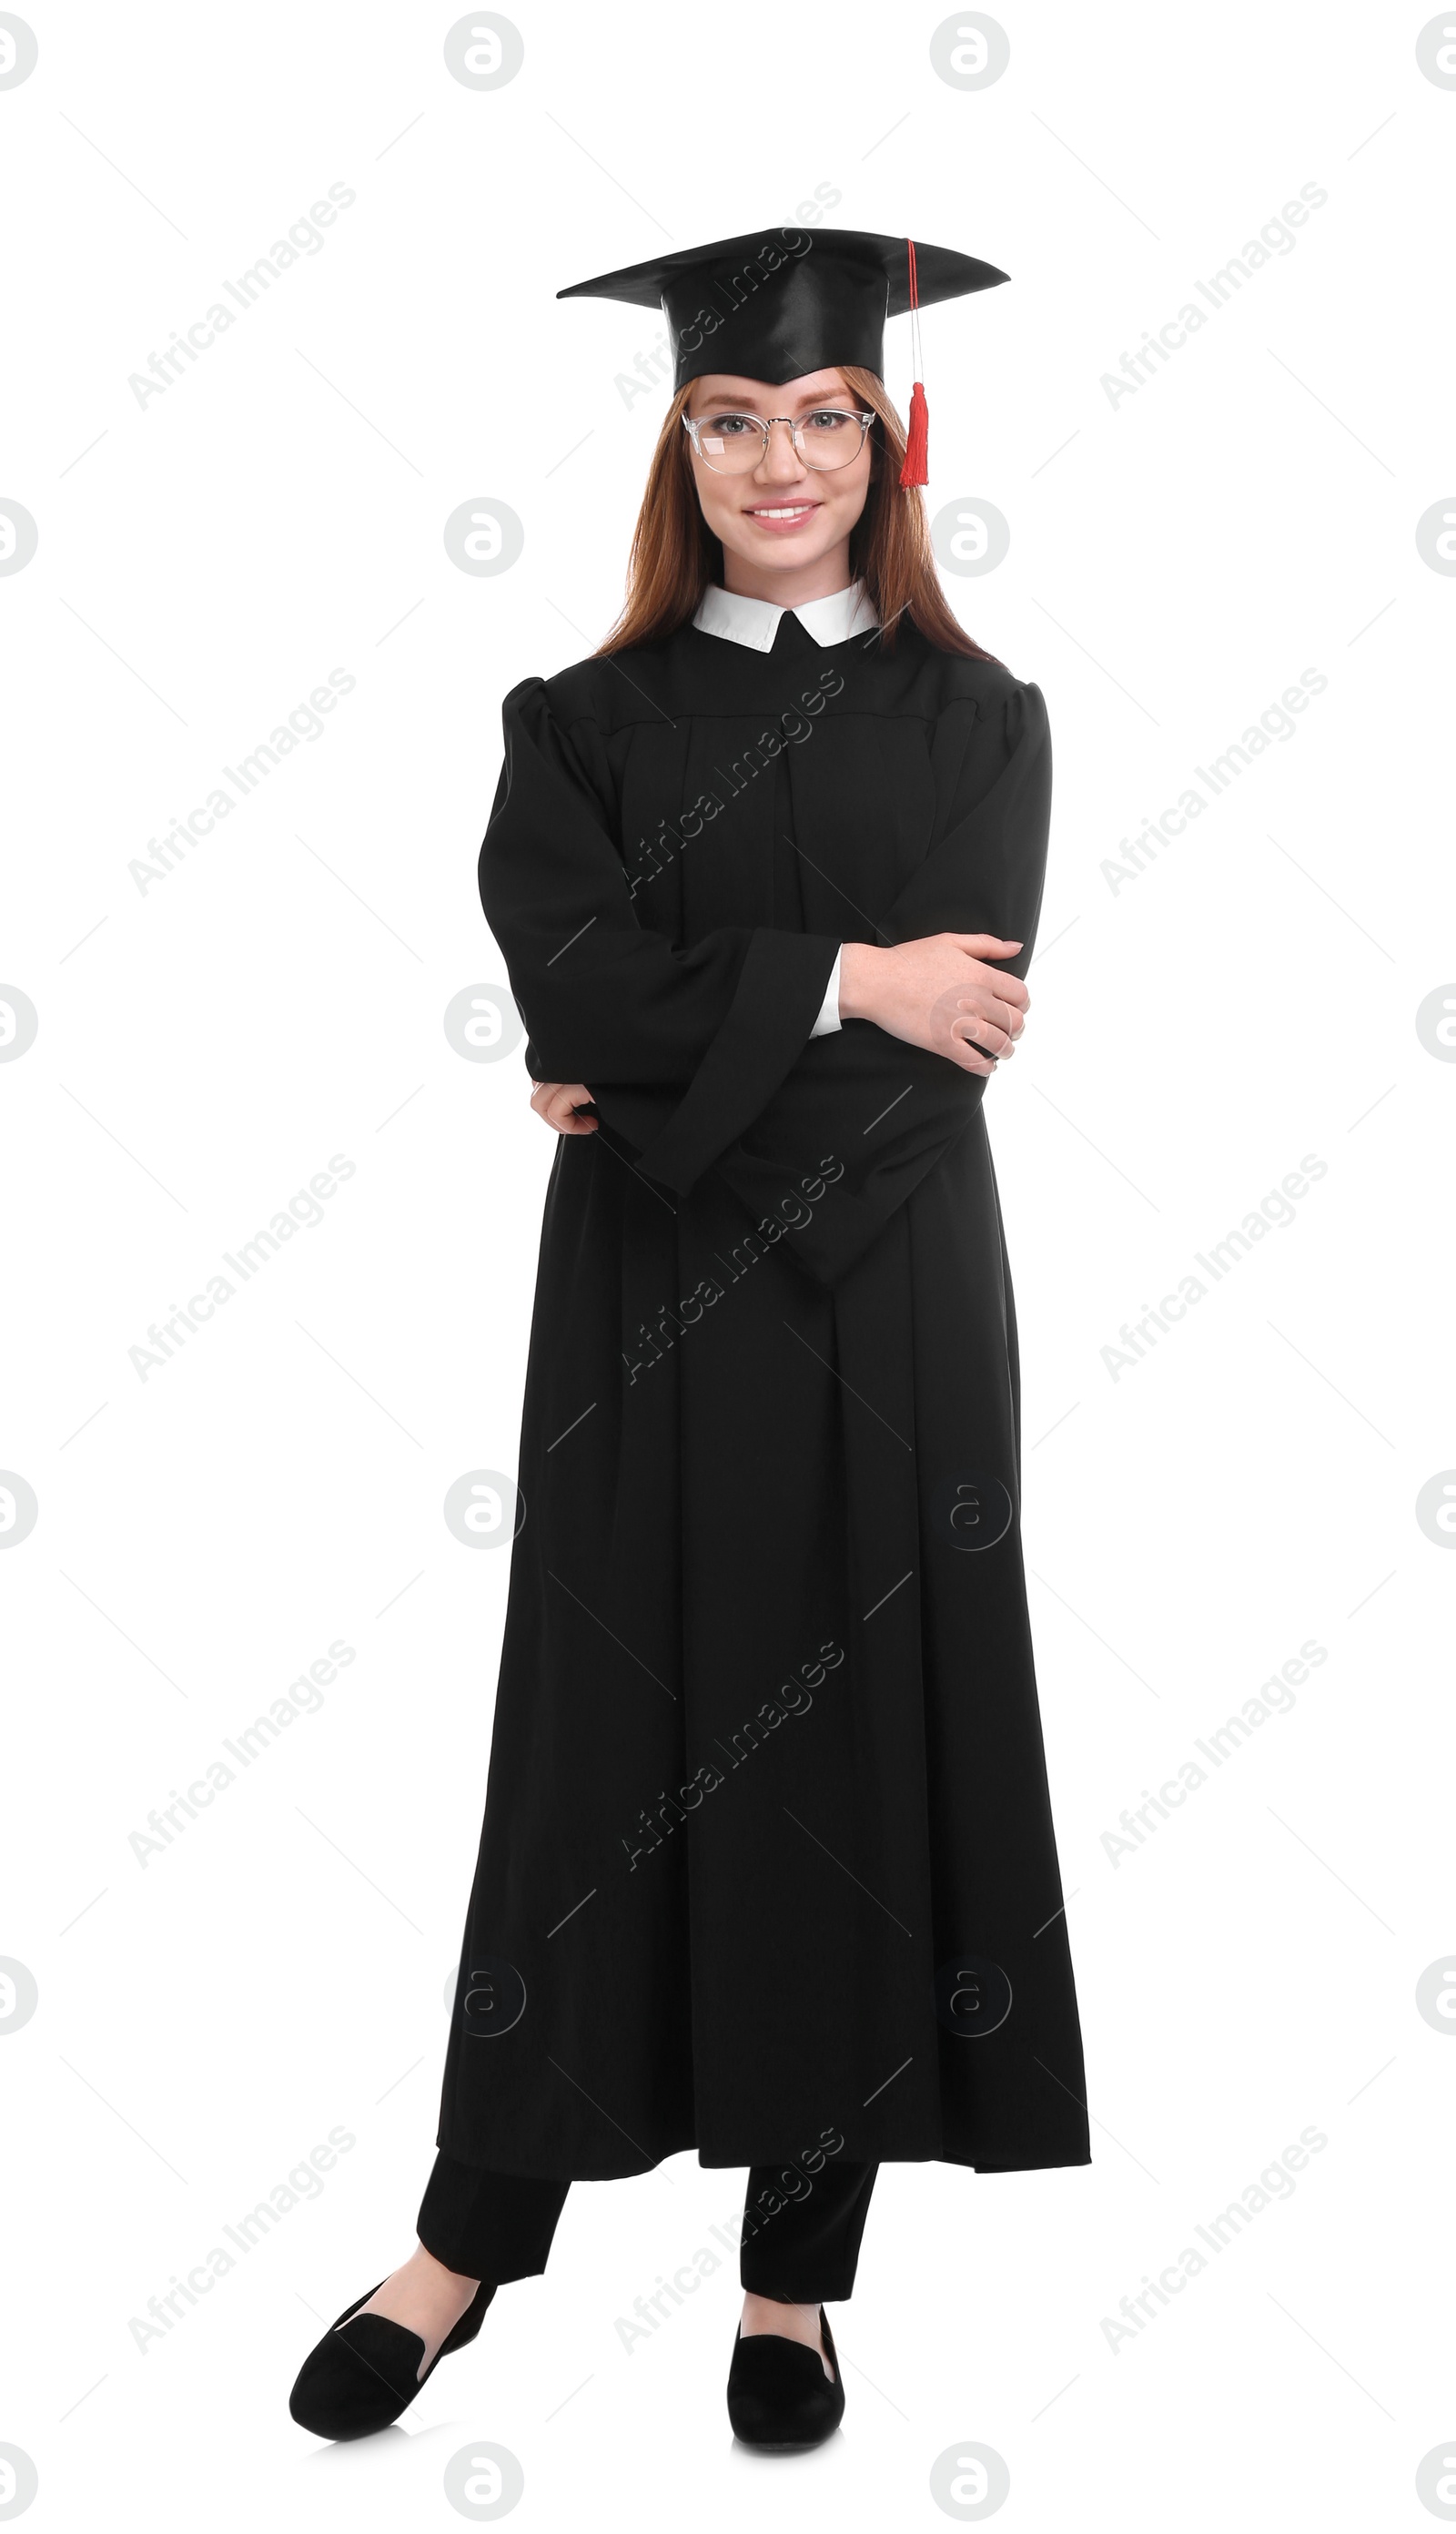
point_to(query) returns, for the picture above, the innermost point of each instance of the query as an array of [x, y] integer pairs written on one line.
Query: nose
[[781, 462]]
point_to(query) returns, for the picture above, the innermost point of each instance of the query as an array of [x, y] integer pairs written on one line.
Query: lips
[[781, 518]]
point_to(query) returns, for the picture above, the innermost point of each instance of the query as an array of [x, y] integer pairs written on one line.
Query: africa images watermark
[[792, 1698], [303, 1697], [656, 854], [657, 364], [1273, 1697], [304, 724], [1276, 238], [1274, 1211], [1276, 2182], [304, 1211], [793, 2182], [305, 2182], [305, 238], [726, 297], [796, 1210], [1275, 723]]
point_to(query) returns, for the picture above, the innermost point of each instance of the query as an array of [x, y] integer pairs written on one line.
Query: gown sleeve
[[697, 1040], [883, 1110]]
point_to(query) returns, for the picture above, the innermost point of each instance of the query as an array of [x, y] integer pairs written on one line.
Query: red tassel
[[917, 441], [917, 436]]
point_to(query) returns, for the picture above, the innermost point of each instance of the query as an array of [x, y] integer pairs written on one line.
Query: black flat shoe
[[365, 2371], [778, 2394]]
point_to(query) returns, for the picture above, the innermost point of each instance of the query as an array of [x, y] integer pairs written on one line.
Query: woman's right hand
[[557, 1102], [938, 992]]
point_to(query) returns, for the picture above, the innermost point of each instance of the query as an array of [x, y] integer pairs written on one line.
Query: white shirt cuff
[[828, 1018]]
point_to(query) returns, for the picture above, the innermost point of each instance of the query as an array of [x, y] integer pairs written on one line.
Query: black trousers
[[801, 2238]]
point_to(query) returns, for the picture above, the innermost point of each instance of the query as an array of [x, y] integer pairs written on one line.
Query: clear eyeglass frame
[[694, 424]]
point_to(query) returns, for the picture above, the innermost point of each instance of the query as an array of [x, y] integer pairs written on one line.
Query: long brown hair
[[675, 553]]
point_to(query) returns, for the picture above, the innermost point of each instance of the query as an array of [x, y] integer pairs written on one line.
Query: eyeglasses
[[733, 444]]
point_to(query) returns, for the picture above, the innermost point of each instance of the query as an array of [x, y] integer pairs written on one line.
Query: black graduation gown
[[767, 1852]]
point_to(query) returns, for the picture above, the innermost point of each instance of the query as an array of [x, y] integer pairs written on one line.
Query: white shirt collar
[[755, 621]]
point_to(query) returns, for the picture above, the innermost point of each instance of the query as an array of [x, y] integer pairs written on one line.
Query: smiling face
[[784, 526]]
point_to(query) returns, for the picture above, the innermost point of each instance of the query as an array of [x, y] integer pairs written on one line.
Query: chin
[[782, 554]]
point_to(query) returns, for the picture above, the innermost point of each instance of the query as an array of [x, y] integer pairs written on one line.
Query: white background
[[204, 1047]]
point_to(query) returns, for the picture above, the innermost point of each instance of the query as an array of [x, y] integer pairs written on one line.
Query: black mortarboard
[[782, 303]]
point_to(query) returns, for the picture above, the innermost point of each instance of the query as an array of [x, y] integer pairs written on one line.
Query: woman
[[767, 1866]]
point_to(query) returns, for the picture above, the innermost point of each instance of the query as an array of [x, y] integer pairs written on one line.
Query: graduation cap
[[780, 303]]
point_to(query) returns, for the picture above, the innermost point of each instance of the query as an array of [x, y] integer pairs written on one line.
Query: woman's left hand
[[557, 1102]]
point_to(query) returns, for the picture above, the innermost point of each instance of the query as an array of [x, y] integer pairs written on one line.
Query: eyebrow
[[744, 395]]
